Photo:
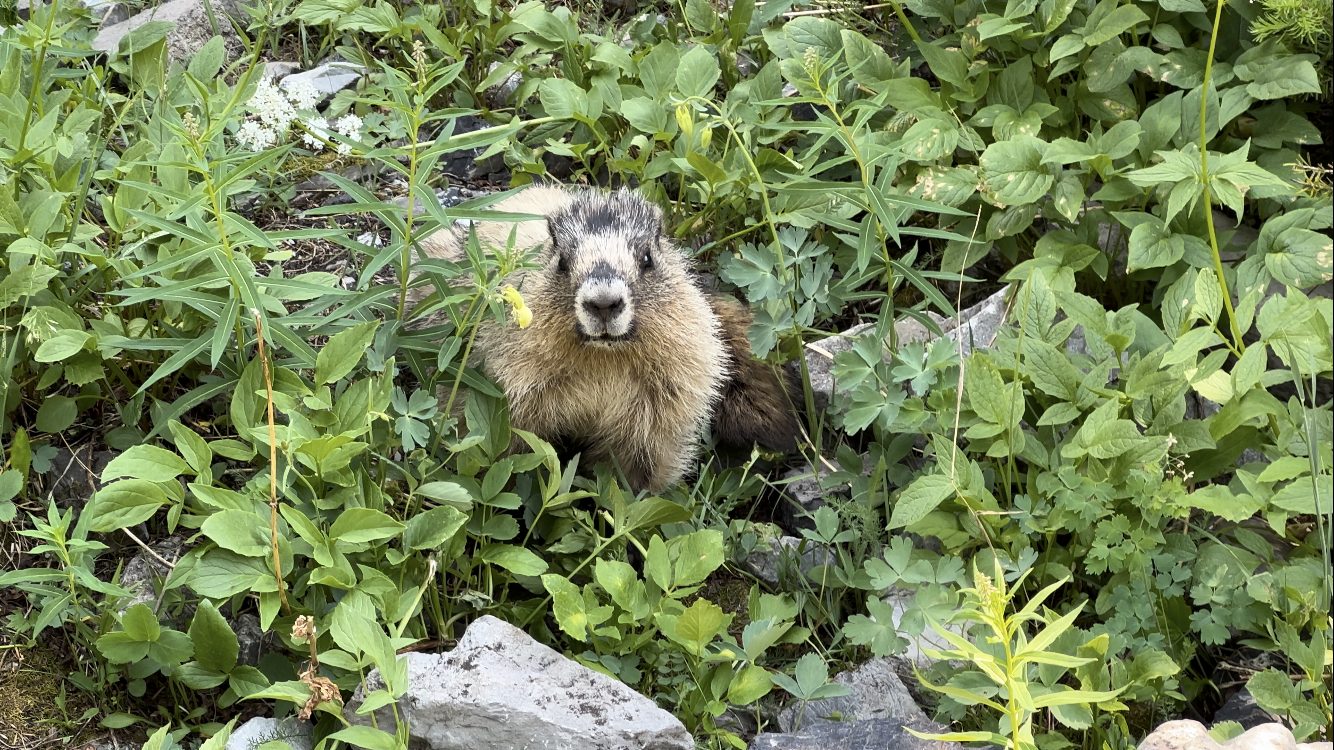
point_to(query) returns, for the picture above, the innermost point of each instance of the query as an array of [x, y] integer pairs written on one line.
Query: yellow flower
[[522, 315]]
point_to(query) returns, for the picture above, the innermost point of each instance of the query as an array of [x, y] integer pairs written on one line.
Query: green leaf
[[749, 685], [517, 560], [341, 354], [238, 531], [1154, 245], [146, 462], [367, 737], [1012, 171], [63, 345], [56, 414], [696, 555], [357, 525], [696, 627], [1301, 258], [216, 647], [561, 98], [1220, 501], [567, 605], [432, 528], [1113, 24], [1273, 690], [123, 504], [697, 73], [919, 498], [1285, 76]]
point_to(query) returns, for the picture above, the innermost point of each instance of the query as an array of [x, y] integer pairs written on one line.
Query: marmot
[[626, 355]]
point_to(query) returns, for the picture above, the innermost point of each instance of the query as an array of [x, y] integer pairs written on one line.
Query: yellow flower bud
[[522, 315]]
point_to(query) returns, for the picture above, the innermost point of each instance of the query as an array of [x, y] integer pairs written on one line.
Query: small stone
[[262, 729], [786, 558], [899, 601], [328, 79], [144, 572], [280, 69], [502, 94], [1242, 708], [876, 692], [502, 690], [250, 639]]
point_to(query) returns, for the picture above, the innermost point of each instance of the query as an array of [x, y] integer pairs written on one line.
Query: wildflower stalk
[[1238, 345], [273, 470]]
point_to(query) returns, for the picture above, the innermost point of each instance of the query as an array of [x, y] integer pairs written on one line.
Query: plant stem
[[1238, 345], [273, 467]]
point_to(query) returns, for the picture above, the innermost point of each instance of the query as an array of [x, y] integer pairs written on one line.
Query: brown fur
[[643, 403], [756, 405]]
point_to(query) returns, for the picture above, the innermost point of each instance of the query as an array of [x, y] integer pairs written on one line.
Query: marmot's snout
[[603, 308]]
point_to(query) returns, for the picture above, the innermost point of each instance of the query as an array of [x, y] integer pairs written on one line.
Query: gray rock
[[900, 600], [820, 354], [502, 690], [869, 734], [328, 79], [144, 572], [806, 490], [250, 639], [979, 325], [73, 477], [502, 94], [280, 69], [1243, 709], [1191, 735], [876, 692], [785, 559], [261, 729], [193, 28]]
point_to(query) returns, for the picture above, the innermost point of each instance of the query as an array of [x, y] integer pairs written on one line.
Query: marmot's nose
[[604, 307]]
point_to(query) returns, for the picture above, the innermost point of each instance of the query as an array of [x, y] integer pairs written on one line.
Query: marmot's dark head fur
[[608, 262]]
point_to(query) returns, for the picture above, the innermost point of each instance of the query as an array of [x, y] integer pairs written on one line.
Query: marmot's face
[[608, 259]]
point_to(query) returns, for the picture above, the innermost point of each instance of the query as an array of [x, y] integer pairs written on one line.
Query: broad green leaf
[[517, 560], [567, 604], [697, 73], [63, 345], [1154, 245], [146, 462], [56, 414], [919, 498], [696, 627], [123, 504], [1012, 171], [357, 525], [432, 528], [341, 354], [216, 647], [238, 531]]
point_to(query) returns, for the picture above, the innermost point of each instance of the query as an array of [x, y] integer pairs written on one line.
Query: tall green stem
[[1238, 345]]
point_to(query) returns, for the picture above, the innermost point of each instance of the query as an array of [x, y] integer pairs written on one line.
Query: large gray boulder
[[500, 689]]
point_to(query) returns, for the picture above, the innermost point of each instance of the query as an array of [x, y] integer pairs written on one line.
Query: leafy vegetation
[[1140, 462]]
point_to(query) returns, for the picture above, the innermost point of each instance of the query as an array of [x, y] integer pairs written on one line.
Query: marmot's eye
[[562, 264], [646, 260]]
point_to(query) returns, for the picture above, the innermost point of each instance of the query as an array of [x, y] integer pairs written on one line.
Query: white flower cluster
[[274, 108]]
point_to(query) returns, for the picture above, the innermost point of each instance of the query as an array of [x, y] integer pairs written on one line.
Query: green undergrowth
[[1118, 510]]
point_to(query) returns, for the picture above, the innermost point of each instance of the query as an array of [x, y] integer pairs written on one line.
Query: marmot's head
[[609, 263]]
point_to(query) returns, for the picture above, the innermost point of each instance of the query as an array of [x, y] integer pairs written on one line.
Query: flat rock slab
[[869, 734], [500, 689]]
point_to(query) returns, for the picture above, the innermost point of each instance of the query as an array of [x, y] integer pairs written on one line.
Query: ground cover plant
[[1117, 511]]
